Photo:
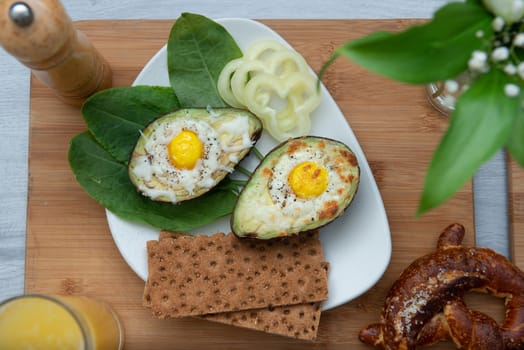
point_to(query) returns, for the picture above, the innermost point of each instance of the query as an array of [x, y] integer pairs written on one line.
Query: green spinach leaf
[[116, 116], [197, 50], [105, 179], [437, 50], [479, 127]]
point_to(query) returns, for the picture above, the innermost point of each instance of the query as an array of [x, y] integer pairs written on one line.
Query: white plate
[[357, 245]]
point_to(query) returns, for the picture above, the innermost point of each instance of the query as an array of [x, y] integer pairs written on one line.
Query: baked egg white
[[302, 184], [184, 154]]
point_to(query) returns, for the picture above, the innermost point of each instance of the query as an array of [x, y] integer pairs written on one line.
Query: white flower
[[500, 54], [479, 55], [478, 61], [451, 86], [519, 40], [449, 101], [520, 70], [510, 10], [511, 90], [479, 34], [498, 24], [510, 69]]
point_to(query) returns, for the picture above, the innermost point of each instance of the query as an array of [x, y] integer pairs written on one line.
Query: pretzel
[[425, 305]]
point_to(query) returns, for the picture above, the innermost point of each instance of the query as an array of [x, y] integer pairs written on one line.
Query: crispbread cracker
[[299, 321], [169, 234], [198, 275]]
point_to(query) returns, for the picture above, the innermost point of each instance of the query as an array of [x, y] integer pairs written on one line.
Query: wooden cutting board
[[516, 211], [70, 249]]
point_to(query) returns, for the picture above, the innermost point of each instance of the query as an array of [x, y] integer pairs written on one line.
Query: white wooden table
[[489, 183]]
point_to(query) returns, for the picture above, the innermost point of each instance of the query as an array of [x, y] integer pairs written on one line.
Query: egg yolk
[[185, 149], [308, 180]]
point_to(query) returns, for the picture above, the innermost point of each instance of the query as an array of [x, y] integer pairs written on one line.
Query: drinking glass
[[37, 321]]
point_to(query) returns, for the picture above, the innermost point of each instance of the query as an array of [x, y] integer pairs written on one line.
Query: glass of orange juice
[[58, 322]]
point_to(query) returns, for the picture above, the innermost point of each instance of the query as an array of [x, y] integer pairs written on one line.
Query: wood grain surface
[[70, 249]]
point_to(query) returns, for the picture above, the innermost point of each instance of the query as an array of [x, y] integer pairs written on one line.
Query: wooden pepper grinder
[[40, 34]]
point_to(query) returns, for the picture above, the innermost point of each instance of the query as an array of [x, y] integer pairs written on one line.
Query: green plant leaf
[[116, 116], [479, 127], [105, 179], [197, 50], [516, 140], [437, 50]]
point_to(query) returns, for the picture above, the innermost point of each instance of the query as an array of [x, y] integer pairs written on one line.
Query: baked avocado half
[[185, 153], [302, 184]]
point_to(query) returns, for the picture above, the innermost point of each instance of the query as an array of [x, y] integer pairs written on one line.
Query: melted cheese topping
[[183, 156], [307, 185]]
